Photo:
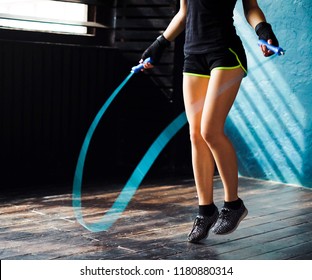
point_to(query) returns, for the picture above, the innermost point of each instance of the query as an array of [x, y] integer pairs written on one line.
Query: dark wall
[[49, 94]]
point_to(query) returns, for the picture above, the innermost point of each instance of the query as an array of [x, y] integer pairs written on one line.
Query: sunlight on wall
[[270, 123]]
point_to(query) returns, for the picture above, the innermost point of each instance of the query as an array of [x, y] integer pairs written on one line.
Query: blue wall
[[270, 124]]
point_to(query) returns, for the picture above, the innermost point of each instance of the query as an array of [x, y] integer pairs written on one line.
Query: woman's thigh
[[194, 94], [221, 93]]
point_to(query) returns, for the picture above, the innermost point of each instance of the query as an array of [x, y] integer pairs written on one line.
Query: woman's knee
[[196, 137], [212, 137]]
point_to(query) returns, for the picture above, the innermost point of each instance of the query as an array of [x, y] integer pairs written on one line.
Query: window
[[44, 15]]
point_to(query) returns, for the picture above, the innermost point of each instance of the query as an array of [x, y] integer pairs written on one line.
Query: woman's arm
[[177, 24], [253, 13], [175, 27]]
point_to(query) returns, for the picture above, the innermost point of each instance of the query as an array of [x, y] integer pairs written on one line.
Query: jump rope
[[133, 183]]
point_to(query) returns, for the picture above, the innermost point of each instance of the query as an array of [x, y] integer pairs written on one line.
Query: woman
[[214, 66]]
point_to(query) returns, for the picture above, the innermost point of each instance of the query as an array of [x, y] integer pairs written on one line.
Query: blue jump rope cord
[[128, 191], [125, 196]]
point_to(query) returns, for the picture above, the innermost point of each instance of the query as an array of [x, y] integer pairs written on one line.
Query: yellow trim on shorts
[[196, 75], [227, 68], [241, 65]]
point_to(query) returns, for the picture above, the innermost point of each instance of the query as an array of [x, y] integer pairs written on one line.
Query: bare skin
[[207, 103], [207, 108]]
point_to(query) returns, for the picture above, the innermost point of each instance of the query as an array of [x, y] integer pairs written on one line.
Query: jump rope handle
[[139, 67], [277, 50]]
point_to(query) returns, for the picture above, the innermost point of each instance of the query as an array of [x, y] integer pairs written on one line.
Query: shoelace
[[224, 212], [198, 221]]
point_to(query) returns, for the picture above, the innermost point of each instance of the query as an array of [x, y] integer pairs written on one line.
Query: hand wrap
[[156, 49], [265, 32]]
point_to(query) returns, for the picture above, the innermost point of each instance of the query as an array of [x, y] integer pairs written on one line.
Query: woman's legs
[[221, 93], [207, 104], [194, 91]]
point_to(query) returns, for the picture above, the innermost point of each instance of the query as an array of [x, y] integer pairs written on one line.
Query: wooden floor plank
[[291, 251], [156, 223]]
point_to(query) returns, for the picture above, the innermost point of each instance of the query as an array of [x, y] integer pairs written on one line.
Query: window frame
[[100, 29], [90, 24]]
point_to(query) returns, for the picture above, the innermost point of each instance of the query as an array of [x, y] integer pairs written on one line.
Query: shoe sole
[[198, 241], [240, 219]]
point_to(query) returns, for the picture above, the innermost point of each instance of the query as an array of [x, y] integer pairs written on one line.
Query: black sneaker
[[201, 227], [229, 220]]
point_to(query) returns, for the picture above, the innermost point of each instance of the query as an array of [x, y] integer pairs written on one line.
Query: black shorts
[[202, 64]]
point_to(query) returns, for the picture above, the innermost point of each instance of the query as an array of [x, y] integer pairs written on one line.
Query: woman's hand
[[266, 52], [265, 32], [146, 65]]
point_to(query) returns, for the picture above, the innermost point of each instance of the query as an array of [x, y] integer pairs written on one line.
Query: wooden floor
[[156, 223]]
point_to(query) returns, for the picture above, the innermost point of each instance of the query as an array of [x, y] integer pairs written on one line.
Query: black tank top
[[209, 26]]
